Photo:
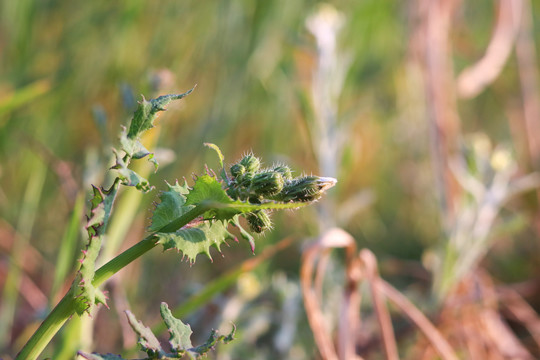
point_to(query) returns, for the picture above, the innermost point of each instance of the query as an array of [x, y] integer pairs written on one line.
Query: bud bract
[[306, 188], [259, 221], [285, 171], [238, 170], [267, 183], [251, 163]]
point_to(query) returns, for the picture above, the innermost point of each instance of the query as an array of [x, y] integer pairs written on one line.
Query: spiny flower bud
[[285, 171], [251, 163], [267, 183], [238, 170], [259, 221], [307, 188]]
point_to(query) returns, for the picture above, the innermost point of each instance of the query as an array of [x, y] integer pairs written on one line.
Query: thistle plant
[[190, 218]]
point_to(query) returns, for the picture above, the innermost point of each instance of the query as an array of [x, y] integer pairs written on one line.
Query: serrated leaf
[[147, 112], [195, 240], [128, 176], [246, 235], [209, 189], [218, 151], [148, 341], [171, 206], [95, 356], [223, 173], [180, 333], [85, 293], [135, 149], [101, 205], [202, 350]]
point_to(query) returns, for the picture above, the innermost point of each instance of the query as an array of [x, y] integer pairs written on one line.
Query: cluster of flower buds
[[251, 183]]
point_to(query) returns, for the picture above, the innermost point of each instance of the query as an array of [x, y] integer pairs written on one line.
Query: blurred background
[[426, 111]]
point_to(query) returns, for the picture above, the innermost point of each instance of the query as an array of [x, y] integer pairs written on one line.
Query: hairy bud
[[238, 170], [259, 221], [251, 163], [267, 183], [285, 171], [307, 188]]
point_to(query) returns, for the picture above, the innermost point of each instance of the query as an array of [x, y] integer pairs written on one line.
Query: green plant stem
[[66, 307], [48, 328]]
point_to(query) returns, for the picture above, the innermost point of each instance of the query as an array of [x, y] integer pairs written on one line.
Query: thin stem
[[66, 307], [122, 260], [48, 328]]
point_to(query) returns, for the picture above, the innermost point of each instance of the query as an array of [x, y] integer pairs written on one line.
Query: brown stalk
[[528, 75], [333, 238], [349, 317], [322, 265], [471, 321], [498, 332], [530, 91], [434, 50], [432, 334], [313, 306], [521, 311], [369, 263], [475, 78]]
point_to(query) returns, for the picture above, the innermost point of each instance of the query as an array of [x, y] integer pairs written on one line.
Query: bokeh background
[[436, 179]]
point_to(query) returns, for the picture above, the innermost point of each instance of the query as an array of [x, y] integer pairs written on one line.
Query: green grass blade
[[25, 224], [23, 96]]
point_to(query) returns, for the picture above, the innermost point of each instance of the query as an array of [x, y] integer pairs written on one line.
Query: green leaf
[[197, 239], [223, 173], [147, 112], [172, 206], [148, 341], [85, 293], [143, 120], [246, 235], [128, 176], [208, 189], [135, 149], [180, 334], [218, 151]]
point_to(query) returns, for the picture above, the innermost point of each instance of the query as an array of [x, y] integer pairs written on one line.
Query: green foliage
[[147, 112], [180, 340], [208, 189], [180, 333], [130, 177], [147, 340], [190, 220], [84, 292], [195, 240], [259, 221], [259, 188], [143, 120], [217, 209], [172, 206]]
